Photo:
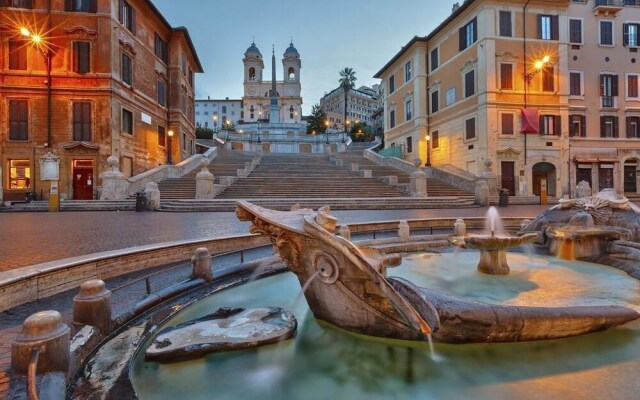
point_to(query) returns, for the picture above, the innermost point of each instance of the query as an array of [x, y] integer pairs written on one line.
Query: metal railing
[[394, 151], [617, 3]]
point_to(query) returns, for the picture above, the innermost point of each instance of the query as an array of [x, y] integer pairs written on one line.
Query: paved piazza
[[32, 238]]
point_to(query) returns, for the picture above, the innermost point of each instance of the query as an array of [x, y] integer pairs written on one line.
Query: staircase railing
[[395, 151]]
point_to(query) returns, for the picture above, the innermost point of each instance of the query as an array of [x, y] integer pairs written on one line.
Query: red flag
[[530, 121]]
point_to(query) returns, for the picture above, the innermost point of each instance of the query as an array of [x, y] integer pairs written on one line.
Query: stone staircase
[[305, 176]]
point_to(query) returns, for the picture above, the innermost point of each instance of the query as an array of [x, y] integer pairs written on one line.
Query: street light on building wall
[[428, 139], [538, 65], [170, 135]]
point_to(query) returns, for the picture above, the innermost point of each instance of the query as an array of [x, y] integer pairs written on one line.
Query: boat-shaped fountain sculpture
[[348, 286]]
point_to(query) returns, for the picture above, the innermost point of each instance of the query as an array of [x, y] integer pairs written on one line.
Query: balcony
[[610, 7], [608, 102]]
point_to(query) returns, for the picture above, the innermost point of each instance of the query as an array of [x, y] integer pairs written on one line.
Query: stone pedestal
[[366, 173], [152, 193], [459, 228], [92, 306], [490, 178], [583, 190], [205, 188], [44, 330], [418, 183], [114, 184], [201, 262], [345, 232], [482, 193], [404, 231], [354, 167], [493, 262]]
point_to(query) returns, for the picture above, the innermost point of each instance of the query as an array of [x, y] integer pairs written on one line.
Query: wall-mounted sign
[[50, 167], [145, 118]]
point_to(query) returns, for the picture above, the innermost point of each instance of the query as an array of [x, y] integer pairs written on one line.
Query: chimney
[[455, 7], [208, 97]]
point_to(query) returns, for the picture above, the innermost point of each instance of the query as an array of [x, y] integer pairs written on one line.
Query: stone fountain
[[493, 246]]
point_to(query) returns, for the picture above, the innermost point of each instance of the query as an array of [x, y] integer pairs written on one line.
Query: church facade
[[258, 89]]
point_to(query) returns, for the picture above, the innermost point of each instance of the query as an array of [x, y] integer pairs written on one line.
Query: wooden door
[[508, 176], [537, 178], [630, 179], [606, 178], [83, 182]]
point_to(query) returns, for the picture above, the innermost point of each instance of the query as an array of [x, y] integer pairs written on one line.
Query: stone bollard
[[295, 207], [152, 192], [354, 167], [392, 180], [459, 228], [345, 232], [418, 183], [366, 173], [524, 223], [339, 162], [482, 193], [205, 189], [92, 306], [46, 331], [114, 184], [201, 262], [404, 231]]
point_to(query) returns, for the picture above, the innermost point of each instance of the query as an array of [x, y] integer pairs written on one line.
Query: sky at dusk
[[329, 34]]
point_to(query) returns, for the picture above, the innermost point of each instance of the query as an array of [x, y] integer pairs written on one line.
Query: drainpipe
[[49, 54], [428, 100], [524, 57]]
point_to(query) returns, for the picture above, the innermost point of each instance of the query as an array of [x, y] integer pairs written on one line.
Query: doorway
[[630, 175], [605, 176], [83, 179], [583, 173], [544, 170], [508, 172]]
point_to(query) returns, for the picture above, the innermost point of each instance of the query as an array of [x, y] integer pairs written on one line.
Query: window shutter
[[475, 29], [68, 5], [541, 124], [583, 126], [4, 2], [625, 34], [602, 126], [614, 85], [557, 120], [133, 20], [615, 127], [120, 7], [572, 126], [555, 27], [28, 4], [629, 119], [539, 26], [601, 85], [462, 37], [93, 6]]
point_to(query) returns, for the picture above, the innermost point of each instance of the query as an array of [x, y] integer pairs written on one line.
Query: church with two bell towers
[[277, 101]]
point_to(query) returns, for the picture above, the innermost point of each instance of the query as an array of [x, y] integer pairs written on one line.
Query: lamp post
[[428, 139], [215, 123], [326, 131], [528, 76], [170, 135], [346, 130], [259, 117]]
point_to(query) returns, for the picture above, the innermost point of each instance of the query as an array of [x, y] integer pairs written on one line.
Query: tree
[[204, 133], [361, 132], [347, 82], [316, 121]]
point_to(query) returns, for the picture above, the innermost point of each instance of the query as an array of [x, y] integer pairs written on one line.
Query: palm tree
[[347, 82]]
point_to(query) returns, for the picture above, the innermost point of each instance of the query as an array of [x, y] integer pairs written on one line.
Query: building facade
[[88, 79], [217, 114], [258, 88], [541, 89], [361, 104]]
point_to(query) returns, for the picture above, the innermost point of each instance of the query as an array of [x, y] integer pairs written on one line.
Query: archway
[[547, 171]]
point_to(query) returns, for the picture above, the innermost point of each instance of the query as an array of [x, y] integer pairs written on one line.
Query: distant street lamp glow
[[37, 39], [25, 32]]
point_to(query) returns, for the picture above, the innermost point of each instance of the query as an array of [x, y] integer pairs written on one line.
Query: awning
[[530, 121]]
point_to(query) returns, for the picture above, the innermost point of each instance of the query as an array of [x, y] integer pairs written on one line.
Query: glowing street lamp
[[25, 32], [170, 134], [326, 131], [428, 139]]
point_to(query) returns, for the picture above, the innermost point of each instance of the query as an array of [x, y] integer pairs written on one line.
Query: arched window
[[252, 74], [292, 74], [269, 92]]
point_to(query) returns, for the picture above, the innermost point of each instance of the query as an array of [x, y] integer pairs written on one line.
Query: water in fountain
[[493, 222], [296, 302], [432, 352]]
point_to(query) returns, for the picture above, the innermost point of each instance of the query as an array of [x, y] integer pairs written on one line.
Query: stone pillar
[[46, 331], [201, 262], [583, 190], [327, 149], [152, 192], [459, 228], [490, 178], [418, 183], [115, 185], [354, 167], [205, 188], [482, 193], [404, 232], [345, 232], [92, 306]]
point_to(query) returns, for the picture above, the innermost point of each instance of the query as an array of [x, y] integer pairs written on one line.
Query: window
[[450, 96], [575, 31], [183, 104], [81, 5], [17, 55], [577, 126], [632, 86], [183, 63], [505, 23], [469, 83], [550, 125], [190, 77], [127, 16], [19, 174], [435, 101], [252, 74], [292, 74], [548, 84], [127, 70], [548, 27], [470, 129], [468, 34], [608, 126], [633, 127], [392, 84], [435, 140], [224, 109], [506, 76], [392, 118], [408, 109], [409, 144], [127, 122], [18, 120], [507, 124], [161, 93], [407, 72], [435, 59], [606, 33], [184, 141], [575, 83], [631, 34], [161, 49], [17, 3], [608, 89], [81, 57], [82, 121]]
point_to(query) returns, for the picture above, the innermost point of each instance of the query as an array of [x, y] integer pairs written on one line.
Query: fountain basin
[[575, 242]]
